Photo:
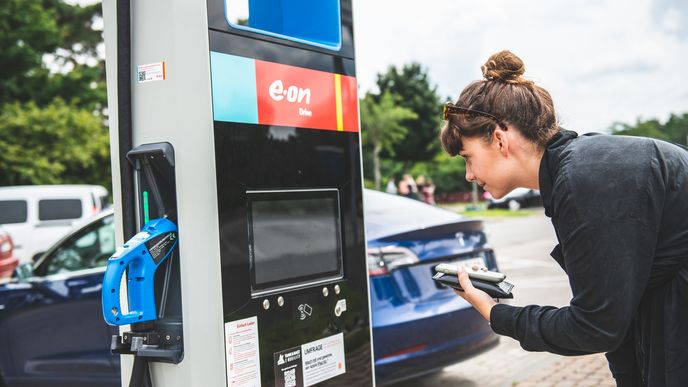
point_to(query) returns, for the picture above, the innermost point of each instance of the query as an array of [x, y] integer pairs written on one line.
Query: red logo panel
[[294, 96]]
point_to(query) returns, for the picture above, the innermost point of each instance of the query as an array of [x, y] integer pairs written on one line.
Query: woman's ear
[[500, 140]]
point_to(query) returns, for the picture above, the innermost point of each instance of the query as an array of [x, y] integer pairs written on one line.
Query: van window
[[56, 209], [315, 23], [13, 211]]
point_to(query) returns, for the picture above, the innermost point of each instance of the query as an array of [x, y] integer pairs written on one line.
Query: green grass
[[480, 211]]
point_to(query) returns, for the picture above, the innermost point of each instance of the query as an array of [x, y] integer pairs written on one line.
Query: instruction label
[[323, 359], [241, 346], [151, 72], [159, 246]]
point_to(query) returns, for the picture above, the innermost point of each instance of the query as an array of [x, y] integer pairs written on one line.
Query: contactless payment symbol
[[306, 310]]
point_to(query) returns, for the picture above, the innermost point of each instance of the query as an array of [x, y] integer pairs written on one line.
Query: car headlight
[[5, 246]]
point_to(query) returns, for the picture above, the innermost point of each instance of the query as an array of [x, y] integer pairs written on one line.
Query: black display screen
[[294, 238]]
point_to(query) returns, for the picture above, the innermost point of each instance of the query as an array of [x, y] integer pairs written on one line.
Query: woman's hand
[[480, 300]]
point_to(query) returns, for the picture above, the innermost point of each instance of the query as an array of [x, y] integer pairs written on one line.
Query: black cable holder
[[160, 340]]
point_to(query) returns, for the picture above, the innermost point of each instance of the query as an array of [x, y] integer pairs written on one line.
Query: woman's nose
[[469, 174]]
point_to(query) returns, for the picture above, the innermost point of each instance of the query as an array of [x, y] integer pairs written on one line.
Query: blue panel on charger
[[314, 22]]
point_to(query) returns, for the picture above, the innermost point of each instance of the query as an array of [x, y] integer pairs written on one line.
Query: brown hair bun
[[505, 94], [504, 66]]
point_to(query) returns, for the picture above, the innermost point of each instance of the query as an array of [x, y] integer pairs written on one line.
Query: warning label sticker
[[241, 346], [159, 246], [323, 359], [151, 72], [288, 370]]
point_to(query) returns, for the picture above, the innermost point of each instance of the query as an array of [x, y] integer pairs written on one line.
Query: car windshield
[[88, 248]]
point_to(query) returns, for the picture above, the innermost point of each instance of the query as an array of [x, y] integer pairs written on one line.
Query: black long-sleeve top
[[619, 206]]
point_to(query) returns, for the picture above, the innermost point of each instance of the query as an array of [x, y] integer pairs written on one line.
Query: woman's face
[[488, 166]]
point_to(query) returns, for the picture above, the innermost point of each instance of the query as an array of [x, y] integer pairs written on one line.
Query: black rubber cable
[[140, 374]]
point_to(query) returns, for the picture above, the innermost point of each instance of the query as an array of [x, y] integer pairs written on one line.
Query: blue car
[[52, 331], [420, 326]]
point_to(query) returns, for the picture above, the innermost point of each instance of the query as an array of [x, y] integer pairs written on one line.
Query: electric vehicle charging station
[[237, 122]]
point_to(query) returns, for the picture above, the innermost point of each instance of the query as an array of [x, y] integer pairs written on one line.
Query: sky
[[603, 61]]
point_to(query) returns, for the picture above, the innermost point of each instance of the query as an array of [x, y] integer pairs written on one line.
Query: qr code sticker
[[142, 76], [290, 378]]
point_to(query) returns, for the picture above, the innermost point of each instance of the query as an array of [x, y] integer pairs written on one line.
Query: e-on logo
[[292, 94]]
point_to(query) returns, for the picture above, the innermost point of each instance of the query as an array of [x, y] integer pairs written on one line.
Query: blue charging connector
[[142, 255]]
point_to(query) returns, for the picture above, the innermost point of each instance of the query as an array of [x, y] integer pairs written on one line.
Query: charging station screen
[[294, 238], [317, 23]]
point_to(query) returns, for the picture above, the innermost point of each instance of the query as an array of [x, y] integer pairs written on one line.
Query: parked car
[[516, 199], [38, 215], [52, 331], [8, 261], [420, 326]]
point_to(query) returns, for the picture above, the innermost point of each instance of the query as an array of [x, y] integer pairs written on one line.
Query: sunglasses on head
[[450, 108]]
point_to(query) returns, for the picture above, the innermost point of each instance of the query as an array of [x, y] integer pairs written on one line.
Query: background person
[[404, 189], [413, 188], [391, 187], [618, 206], [420, 182], [428, 192]]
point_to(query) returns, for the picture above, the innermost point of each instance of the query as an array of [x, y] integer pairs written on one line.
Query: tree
[[651, 128], [52, 94], [48, 49], [674, 130], [412, 86], [27, 31], [381, 118], [447, 172], [52, 144]]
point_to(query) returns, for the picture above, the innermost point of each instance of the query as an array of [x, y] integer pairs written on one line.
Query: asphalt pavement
[[523, 246]]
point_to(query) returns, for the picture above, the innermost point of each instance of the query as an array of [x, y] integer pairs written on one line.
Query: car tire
[[514, 205]]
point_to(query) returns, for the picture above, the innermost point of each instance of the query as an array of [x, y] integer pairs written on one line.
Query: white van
[[36, 216]]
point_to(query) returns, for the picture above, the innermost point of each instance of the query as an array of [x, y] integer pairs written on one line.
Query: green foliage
[[83, 87], [53, 144], [674, 130], [412, 146], [52, 94], [411, 86], [381, 119], [48, 50], [27, 31], [448, 173]]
